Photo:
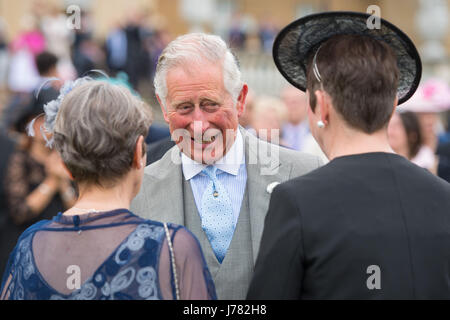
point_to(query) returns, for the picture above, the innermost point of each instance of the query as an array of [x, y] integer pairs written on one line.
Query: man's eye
[[184, 108], [209, 106]]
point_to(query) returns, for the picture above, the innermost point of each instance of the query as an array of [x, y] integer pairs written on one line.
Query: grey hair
[[95, 129], [195, 47]]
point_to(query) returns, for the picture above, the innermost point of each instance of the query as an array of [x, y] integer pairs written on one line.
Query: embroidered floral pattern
[[125, 275]]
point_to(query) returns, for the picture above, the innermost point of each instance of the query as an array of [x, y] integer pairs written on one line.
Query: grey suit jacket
[[161, 196]]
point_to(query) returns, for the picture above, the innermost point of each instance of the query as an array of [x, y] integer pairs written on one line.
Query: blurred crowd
[[46, 49], [245, 33], [33, 67], [419, 129], [46, 52]]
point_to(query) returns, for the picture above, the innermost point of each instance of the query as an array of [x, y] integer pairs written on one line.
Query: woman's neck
[[96, 198], [348, 142]]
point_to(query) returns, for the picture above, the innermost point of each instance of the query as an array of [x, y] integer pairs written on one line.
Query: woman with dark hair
[[369, 224], [35, 183], [98, 249], [404, 134]]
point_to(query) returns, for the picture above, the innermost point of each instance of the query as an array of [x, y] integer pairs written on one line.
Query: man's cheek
[[227, 119]]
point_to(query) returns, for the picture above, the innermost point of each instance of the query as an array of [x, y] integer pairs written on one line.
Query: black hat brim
[[297, 41]]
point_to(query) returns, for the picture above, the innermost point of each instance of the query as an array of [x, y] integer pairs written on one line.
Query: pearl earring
[[320, 124]]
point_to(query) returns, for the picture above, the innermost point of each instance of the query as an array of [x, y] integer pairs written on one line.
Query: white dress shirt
[[231, 172]]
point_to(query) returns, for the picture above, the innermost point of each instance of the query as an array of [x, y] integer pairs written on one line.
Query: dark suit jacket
[[324, 230]]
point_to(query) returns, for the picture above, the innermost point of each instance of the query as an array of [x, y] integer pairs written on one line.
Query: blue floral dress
[[106, 256]]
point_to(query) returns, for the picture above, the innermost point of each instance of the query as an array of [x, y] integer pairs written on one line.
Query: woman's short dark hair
[[361, 76], [411, 124]]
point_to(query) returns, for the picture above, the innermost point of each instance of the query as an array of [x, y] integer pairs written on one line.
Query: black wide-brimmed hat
[[295, 44]]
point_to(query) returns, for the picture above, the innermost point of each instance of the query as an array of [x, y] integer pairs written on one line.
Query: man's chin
[[206, 156]]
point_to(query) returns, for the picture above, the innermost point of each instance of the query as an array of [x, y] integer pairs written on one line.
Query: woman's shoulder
[[23, 246], [177, 232], [34, 228], [160, 224]]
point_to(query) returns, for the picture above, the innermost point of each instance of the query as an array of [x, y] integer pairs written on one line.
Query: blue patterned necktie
[[217, 214]]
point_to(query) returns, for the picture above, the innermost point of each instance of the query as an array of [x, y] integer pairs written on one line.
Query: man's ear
[[163, 109], [240, 106], [137, 159]]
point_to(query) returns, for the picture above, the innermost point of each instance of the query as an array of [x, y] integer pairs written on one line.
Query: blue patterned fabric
[[217, 214], [234, 184], [129, 273]]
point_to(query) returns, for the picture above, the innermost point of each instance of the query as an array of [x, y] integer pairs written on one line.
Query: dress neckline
[[83, 218]]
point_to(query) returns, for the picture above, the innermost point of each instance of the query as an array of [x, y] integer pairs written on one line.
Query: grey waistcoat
[[233, 276]]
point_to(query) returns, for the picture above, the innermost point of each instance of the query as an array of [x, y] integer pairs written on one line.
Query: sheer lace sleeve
[[16, 188], [4, 294], [194, 279], [7, 281]]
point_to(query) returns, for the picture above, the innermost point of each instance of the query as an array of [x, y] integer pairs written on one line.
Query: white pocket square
[[271, 186]]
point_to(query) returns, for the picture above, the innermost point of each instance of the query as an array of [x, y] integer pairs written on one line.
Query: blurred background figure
[[23, 75], [86, 52], [267, 31], [295, 129], [126, 47], [430, 103], [3, 54], [405, 138], [35, 183], [237, 35], [44, 90], [58, 38], [7, 235], [443, 153], [267, 117], [116, 49]]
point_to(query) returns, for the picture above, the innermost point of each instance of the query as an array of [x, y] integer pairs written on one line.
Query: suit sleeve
[[278, 270]]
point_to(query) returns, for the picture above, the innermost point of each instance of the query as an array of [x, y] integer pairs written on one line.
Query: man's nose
[[199, 122]]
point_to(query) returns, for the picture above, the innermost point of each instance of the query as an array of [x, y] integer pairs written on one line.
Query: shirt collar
[[230, 163]]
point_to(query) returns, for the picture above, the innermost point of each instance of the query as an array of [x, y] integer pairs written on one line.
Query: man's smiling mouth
[[204, 141]]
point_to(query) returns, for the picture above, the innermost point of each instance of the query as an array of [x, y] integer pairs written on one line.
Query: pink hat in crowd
[[432, 96]]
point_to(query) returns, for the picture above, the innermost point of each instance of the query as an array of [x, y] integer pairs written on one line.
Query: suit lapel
[[167, 180], [258, 178]]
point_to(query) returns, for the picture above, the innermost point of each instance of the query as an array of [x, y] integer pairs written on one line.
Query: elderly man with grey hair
[[217, 180]]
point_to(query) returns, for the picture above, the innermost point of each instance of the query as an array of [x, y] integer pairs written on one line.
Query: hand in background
[[55, 167]]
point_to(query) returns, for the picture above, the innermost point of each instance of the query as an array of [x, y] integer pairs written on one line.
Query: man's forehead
[[186, 80]]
